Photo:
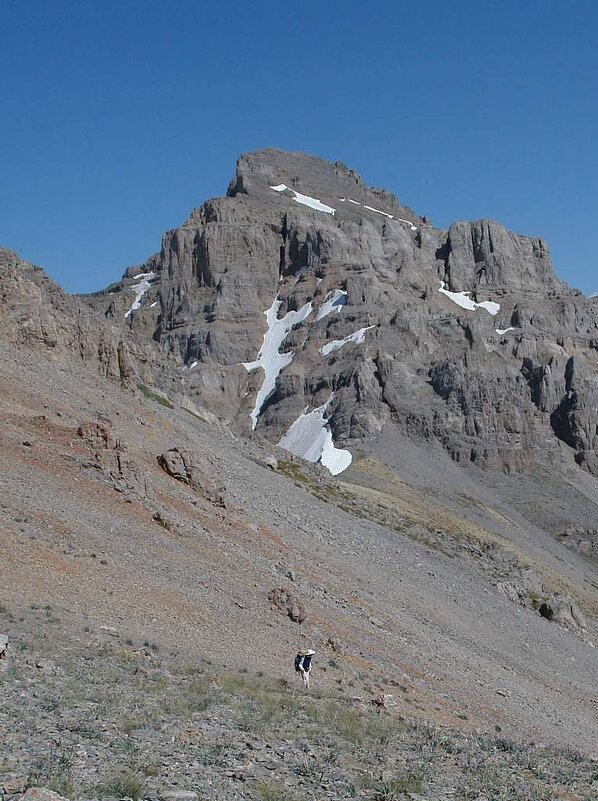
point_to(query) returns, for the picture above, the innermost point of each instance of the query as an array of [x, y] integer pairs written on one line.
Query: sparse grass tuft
[[292, 470], [321, 743], [271, 790], [397, 788], [127, 784], [53, 772], [196, 415], [536, 599]]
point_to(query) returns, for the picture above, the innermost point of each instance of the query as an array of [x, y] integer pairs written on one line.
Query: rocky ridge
[[35, 313]]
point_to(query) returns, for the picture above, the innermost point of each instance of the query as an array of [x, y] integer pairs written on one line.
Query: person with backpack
[[303, 665]]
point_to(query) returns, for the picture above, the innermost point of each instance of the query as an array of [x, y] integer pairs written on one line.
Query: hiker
[[303, 665]]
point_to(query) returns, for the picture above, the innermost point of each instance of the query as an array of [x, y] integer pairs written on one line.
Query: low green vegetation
[[133, 725], [154, 396], [53, 771], [536, 599], [127, 784]]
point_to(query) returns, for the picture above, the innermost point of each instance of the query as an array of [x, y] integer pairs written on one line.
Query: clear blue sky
[[117, 118]]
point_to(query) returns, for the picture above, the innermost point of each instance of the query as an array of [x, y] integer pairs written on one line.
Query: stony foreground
[[102, 717]]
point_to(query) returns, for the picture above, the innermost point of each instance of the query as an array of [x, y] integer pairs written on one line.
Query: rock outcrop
[[110, 457], [285, 602], [36, 313], [194, 470]]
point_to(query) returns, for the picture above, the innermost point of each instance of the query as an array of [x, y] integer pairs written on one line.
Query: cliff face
[[36, 315], [338, 298]]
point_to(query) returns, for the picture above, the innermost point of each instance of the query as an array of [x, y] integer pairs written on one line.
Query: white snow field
[[462, 299], [140, 289], [269, 359], [358, 338], [305, 200], [334, 301], [310, 438], [379, 211], [501, 331]]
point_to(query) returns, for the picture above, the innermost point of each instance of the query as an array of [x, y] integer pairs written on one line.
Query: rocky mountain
[[168, 539], [367, 316]]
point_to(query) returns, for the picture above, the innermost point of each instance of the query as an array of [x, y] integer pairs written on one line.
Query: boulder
[[193, 470], [285, 602], [111, 457], [560, 609], [41, 794], [3, 645]]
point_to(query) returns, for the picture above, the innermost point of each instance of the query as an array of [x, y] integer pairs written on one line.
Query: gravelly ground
[[107, 718], [386, 611]]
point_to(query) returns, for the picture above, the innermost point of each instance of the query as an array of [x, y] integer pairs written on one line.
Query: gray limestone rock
[[498, 390], [564, 611]]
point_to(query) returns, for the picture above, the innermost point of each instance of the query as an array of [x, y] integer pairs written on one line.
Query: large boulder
[[112, 459], [285, 602], [193, 470], [563, 610]]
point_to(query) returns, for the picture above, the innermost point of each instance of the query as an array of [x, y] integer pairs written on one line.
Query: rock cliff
[[304, 289], [35, 314]]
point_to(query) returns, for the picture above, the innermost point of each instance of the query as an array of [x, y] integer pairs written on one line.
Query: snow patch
[[407, 222], [370, 208], [190, 366], [501, 331], [462, 299], [140, 289], [305, 200], [378, 211], [336, 344], [269, 359], [310, 438], [334, 301]]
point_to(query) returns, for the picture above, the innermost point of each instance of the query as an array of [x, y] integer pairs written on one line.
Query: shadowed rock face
[[429, 365]]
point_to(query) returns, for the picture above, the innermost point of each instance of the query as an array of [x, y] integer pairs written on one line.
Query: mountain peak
[[341, 299]]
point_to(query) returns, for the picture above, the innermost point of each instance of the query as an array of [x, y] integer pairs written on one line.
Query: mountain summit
[[322, 312]]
